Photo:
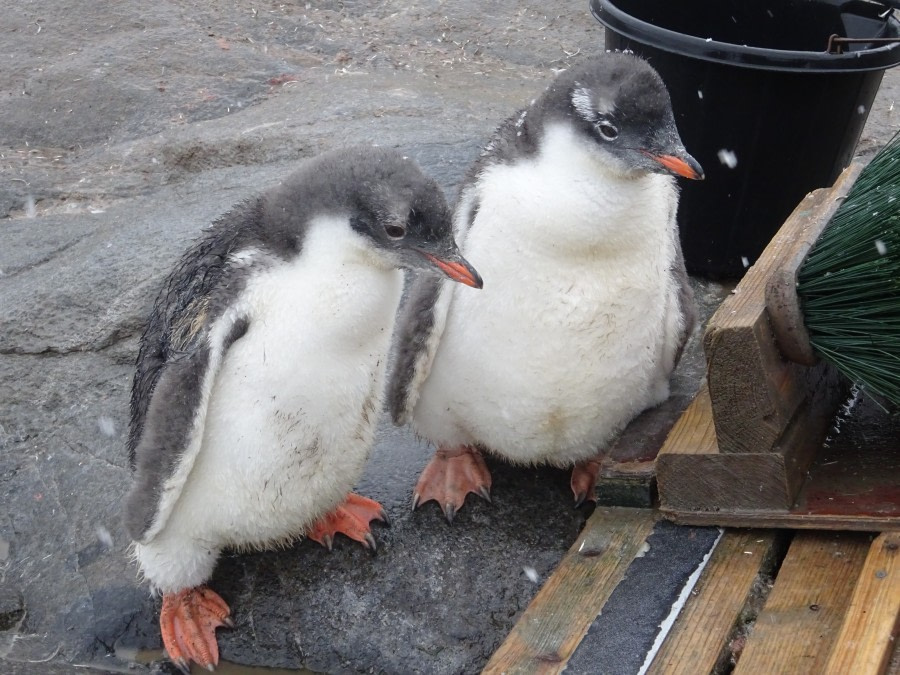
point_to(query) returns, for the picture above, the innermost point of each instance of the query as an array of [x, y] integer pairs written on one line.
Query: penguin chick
[[261, 373], [570, 214]]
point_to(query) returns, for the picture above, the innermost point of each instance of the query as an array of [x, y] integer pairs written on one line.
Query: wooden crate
[[752, 449]]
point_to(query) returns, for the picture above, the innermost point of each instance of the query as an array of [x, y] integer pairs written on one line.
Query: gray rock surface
[[126, 128]]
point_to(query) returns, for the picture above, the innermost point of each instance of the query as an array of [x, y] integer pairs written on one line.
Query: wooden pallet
[[752, 448], [834, 606]]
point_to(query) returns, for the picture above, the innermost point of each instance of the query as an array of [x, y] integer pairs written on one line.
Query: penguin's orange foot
[[450, 476], [188, 623], [351, 518], [584, 480]]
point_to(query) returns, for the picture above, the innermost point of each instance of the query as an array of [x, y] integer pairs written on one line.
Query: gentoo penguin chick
[[261, 374], [570, 214]]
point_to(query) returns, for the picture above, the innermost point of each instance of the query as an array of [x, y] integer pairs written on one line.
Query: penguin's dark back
[[196, 287]]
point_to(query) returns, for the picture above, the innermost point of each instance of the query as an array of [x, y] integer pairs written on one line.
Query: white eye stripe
[[589, 107], [581, 101]]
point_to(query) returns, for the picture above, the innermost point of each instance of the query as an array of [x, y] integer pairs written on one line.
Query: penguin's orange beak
[[685, 166], [457, 269]]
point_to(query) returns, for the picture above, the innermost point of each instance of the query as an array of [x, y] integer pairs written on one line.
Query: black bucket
[[760, 102]]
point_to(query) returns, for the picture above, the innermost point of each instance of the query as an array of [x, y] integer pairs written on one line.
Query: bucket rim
[[742, 56]]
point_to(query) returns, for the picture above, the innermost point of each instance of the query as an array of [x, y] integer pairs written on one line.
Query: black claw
[[384, 517], [182, 665], [370, 542], [415, 503], [485, 494], [579, 499], [450, 511]]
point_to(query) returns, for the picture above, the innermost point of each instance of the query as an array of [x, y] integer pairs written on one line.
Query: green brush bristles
[[849, 285]]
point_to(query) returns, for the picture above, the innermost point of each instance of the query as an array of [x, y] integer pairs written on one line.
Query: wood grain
[[785, 519], [850, 488], [866, 640], [805, 609], [694, 476], [553, 625], [755, 392], [699, 640]]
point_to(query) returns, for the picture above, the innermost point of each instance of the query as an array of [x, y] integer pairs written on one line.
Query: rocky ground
[[128, 126]]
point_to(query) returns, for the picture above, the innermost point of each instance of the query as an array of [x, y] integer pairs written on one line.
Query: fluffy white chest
[[562, 346], [292, 412]]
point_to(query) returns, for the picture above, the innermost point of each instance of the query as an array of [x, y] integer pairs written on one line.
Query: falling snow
[[532, 574], [700, 94], [745, 262], [728, 158], [843, 414], [861, 110], [30, 208], [881, 247], [107, 426], [104, 536], [643, 550]]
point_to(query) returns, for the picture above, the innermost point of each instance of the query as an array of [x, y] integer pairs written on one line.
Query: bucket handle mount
[[836, 42]]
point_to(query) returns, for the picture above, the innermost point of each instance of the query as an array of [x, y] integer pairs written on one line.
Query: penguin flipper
[[172, 430], [416, 339], [187, 335], [422, 320], [687, 307]]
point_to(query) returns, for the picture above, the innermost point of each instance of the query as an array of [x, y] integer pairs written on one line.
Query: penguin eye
[[607, 130], [395, 231]]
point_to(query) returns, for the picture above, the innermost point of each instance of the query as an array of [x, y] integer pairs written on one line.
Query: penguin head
[[620, 104], [399, 211], [404, 213]]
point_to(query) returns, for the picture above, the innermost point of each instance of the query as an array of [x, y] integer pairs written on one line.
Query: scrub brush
[[848, 286]]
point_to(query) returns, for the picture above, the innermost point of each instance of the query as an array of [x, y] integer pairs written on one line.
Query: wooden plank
[[553, 625], [699, 640], [785, 519], [694, 433], [694, 476], [805, 609], [755, 391], [866, 640]]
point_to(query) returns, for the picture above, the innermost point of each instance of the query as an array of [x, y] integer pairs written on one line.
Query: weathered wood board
[[868, 634], [802, 616], [721, 602], [559, 616], [827, 602]]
